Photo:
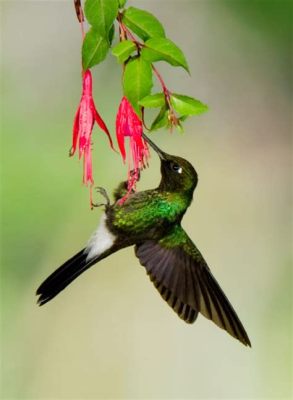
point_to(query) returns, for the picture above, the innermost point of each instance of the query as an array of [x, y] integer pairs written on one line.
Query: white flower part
[[101, 240]]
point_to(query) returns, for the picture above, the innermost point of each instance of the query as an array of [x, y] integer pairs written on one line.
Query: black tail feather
[[63, 276]]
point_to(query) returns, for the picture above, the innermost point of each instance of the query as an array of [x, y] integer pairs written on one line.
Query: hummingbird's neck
[[166, 186]]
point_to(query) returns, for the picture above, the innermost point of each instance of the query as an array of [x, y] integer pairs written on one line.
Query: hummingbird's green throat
[[150, 221], [178, 175]]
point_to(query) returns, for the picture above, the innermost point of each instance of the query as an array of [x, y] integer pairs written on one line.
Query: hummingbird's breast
[[146, 215]]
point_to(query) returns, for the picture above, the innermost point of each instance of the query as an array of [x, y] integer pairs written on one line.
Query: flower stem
[[124, 33], [167, 93], [80, 16], [159, 76], [164, 87]]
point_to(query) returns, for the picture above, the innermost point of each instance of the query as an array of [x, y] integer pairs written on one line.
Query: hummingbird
[[150, 221]]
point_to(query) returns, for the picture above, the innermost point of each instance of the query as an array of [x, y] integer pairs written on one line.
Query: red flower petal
[[75, 132], [128, 124], [83, 124], [103, 126], [87, 170]]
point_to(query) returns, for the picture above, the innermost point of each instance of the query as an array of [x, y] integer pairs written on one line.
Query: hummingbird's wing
[[184, 280]]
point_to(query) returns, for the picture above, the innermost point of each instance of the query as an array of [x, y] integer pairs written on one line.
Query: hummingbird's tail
[[101, 244], [65, 274]]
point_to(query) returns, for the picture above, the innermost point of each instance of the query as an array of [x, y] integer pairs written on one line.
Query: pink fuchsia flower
[[128, 124], [84, 120]]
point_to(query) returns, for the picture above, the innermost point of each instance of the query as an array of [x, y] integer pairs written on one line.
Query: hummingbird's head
[[177, 173]]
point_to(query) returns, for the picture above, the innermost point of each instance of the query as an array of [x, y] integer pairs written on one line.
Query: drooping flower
[[84, 120], [128, 124]]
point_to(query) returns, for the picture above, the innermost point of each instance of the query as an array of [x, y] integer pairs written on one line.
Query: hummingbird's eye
[[175, 167]]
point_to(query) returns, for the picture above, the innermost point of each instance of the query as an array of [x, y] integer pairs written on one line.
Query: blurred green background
[[109, 335]]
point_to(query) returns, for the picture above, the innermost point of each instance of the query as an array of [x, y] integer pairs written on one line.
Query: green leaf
[[123, 50], [111, 34], [143, 23], [161, 120], [186, 105], [180, 127], [161, 49], [153, 100], [94, 49], [121, 3], [137, 81], [101, 14]]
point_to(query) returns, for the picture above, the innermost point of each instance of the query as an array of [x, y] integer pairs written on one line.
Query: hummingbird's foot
[[104, 193]]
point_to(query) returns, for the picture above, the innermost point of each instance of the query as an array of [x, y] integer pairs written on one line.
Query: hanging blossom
[[84, 120], [128, 124]]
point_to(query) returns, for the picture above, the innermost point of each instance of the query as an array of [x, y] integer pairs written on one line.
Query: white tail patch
[[101, 240]]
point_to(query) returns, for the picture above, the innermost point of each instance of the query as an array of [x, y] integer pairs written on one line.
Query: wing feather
[[185, 282]]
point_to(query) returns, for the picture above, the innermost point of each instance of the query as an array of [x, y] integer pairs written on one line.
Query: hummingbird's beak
[[160, 153]]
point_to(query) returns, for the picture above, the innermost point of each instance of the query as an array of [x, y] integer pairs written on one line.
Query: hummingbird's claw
[[104, 193], [98, 204]]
